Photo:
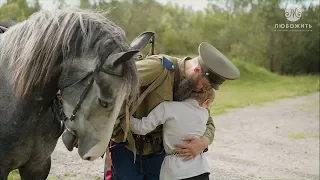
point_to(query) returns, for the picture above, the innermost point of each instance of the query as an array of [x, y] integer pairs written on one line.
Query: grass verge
[[256, 86]]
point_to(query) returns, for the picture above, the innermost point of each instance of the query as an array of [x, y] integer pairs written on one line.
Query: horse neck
[[49, 91], [42, 97]]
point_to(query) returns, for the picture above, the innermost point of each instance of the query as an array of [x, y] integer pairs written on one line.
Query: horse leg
[[3, 174], [36, 171]]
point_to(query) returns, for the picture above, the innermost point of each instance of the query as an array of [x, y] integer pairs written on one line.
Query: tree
[[18, 10], [241, 29]]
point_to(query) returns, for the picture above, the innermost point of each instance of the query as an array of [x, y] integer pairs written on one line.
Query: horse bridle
[[57, 102]]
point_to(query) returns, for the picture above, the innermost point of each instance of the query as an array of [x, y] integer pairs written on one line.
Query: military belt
[[171, 154], [118, 145], [152, 138]]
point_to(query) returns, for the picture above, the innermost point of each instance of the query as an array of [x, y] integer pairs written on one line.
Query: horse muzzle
[[69, 140]]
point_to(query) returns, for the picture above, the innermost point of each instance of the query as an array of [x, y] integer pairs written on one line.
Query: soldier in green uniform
[[213, 67]]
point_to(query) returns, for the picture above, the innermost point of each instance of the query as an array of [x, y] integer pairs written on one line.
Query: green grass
[[97, 178], [14, 175], [256, 86], [302, 135], [67, 174]]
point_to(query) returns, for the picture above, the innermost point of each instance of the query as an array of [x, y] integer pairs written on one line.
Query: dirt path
[[277, 141]]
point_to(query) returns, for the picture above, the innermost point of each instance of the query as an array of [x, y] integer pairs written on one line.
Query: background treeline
[[242, 29]]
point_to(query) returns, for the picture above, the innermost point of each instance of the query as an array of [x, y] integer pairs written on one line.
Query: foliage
[[17, 10], [240, 29]]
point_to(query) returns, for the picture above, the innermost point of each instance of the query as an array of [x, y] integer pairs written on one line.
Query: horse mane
[[35, 48]]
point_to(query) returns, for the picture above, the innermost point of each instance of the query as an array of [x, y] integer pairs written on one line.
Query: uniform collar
[[181, 66]]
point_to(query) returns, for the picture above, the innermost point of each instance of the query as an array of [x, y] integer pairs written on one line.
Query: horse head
[[85, 56], [113, 92]]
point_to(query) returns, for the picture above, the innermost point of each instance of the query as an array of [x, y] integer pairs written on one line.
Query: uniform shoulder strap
[[160, 79], [172, 65], [124, 119]]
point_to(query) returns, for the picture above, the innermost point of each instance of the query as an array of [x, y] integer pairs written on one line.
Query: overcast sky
[[196, 4]]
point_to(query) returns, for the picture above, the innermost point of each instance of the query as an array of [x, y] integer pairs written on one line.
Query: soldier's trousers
[[124, 168]]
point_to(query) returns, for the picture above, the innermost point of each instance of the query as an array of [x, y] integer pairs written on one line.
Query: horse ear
[[142, 40], [123, 57], [112, 63]]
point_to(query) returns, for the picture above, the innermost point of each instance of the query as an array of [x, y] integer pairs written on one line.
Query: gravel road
[[276, 141]]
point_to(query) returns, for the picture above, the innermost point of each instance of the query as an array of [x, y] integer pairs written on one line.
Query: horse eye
[[103, 103]]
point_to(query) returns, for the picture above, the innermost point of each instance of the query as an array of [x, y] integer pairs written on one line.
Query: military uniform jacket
[[149, 69]]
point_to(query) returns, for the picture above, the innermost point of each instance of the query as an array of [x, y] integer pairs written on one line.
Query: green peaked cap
[[215, 65]]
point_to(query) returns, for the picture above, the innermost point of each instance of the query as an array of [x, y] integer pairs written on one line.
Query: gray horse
[[80, 53]]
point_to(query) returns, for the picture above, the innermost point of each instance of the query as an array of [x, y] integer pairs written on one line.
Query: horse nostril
[[88, 158]]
